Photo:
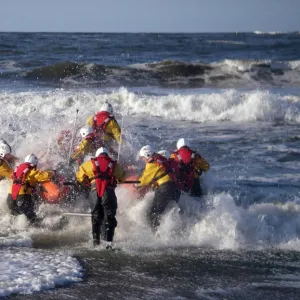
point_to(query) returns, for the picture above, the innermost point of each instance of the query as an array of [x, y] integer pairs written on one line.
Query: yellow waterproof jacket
[[85, 147], [86, 173], [112, 131], [200, 165], [5, 169], [151, 172], [32, 178]]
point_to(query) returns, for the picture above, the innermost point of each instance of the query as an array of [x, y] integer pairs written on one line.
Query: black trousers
[[22, 205], [165, 194], [104, 209], [196, 190]]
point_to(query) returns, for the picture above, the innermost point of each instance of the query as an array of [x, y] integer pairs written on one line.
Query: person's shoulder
[[86, 164]]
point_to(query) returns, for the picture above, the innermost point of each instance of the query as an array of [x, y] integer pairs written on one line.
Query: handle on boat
[[126, 182], [130, 181]]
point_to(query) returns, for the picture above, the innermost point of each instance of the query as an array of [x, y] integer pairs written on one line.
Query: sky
[[149, 15]]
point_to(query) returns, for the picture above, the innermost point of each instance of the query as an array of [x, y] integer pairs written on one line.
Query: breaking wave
[[167, 73]]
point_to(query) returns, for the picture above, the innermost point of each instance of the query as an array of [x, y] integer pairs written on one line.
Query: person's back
[[157, 174], [191, 166], [157, 171], [102, 173], [104, 124]]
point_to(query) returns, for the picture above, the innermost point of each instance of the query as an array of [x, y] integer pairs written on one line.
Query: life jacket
[[103, 168], [18, 178], [163, 162], [186, 158], [100, 122]]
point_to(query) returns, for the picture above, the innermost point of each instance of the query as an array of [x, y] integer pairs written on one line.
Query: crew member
[[191, 166], [25, 178], [7, 160], [105, 126], [157, 174], [87, 146], [174, 167], [102, 172], [5, 167]]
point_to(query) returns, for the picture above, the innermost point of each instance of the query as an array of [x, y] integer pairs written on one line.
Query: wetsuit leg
[[110, 205], [12, 205], [196, 190], [97, 215], [26, 205], [163, 196]]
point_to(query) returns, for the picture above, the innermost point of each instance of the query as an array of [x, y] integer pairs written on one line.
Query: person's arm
[[41, 176], [119, 173], [201, 164], [147, 176], [81, 174], [114, 129], [5, 170], [89, 121], [81, 150]]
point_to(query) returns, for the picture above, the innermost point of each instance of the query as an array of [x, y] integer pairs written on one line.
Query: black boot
[[96, 239]]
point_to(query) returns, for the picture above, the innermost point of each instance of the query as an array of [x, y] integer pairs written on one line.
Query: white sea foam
[[24, 112], [24, 272], [9, 65], [219, 224], [270, 32]]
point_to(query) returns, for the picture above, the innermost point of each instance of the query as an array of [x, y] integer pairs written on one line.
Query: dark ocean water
[[235, 96], [165, 60]]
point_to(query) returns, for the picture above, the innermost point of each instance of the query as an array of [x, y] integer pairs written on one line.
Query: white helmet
[[181, 143], [86, 130], [101, 150], [32, 159], [146, 151], [4, 149], [164, 153], [107, 107]]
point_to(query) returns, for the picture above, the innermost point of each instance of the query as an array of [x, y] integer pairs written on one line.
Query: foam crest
[[26, 115], [24, 272], [214, 222]]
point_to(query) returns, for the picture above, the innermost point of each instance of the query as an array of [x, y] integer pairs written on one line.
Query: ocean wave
[[270, 32], [167, 73], [218, 106]]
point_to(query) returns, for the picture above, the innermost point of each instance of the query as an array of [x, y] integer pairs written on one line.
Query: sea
[[234, 96]]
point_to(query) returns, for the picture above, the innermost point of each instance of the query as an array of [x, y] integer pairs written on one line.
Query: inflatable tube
[[50, 192], [138, 193], [53, 192]]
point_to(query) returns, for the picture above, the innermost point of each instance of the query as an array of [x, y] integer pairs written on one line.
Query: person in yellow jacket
[[25, 178], [105, 126], [102, 173], [87, 146], [190, 167], [158, 175], [6, 167]]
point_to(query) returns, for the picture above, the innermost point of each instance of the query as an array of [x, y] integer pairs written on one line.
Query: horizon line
[[158, 32]]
